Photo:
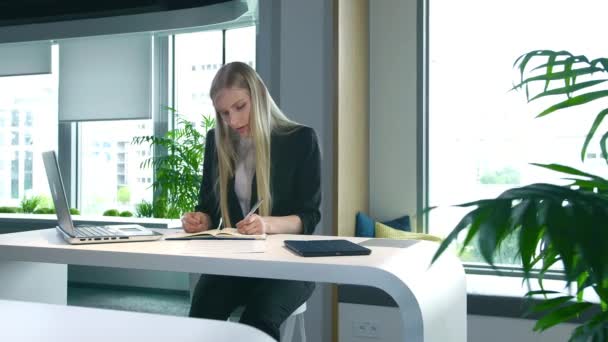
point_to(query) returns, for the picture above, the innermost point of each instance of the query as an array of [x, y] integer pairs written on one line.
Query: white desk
[[22, 321], [432, 301]]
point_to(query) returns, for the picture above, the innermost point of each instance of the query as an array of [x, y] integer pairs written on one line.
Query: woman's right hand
[[195, 222]]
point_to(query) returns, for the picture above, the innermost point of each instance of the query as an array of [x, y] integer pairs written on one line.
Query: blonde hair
[[264, 118]]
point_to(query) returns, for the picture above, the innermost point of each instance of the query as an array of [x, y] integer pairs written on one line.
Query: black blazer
[[295, 179]]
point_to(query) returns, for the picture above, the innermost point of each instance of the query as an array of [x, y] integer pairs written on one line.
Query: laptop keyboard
[[87, 231]]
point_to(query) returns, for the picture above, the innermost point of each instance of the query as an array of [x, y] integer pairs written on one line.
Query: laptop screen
[[57, 191]]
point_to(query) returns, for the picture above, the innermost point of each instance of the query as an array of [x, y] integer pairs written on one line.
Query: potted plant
[[554, 224], [178, 173]]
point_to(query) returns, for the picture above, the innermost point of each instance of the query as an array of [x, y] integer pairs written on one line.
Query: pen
[[219, 226], [254, 208]]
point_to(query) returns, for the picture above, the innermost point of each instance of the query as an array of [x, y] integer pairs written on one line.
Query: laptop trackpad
[[129, 229]]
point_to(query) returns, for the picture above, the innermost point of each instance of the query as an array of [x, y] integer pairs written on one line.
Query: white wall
[[360, 323], [356, 321], [393, 97], [499, 329]]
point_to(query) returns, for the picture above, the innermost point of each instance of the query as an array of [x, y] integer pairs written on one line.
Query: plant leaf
[[595, 330], [493, 227], [575, 101], [603, 146], [568, 90], [569, 170], [464, 223], [561, 315], [596, 123], [550, 304], [529, 234], [541, 292]]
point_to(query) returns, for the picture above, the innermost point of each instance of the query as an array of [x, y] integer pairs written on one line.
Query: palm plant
[[554, 224], [29, 204], [178, 173]]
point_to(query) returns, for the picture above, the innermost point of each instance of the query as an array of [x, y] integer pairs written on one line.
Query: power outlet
[[368, 329]]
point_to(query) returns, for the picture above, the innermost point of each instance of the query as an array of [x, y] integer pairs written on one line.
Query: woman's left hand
[[254, 224]]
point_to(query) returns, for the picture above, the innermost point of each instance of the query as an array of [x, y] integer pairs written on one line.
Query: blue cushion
[[401, 223], [365, 225]]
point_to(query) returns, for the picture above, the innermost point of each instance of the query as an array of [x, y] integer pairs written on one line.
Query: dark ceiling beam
[[22, 12]]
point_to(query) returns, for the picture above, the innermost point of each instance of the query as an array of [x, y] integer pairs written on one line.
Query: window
[[198, 57], [240, 45], [481, 136], [15, 176], [28, 168], [192, 83], [110, 166], [28, 126]]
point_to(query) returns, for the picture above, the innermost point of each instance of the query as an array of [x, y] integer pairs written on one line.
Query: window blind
[[106, 78], [25, 58]]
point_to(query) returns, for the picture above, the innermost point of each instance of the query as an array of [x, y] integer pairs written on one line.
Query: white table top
[[431, 294], [25, 321]]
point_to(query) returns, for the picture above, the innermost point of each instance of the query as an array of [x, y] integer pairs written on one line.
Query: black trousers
[[267, 302]]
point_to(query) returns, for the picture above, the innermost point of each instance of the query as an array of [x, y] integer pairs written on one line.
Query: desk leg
[[34, 282]]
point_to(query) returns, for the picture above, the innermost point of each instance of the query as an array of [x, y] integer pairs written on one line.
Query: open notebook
[[217, 234]]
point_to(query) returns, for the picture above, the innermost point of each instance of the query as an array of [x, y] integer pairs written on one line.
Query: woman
[[254, 152]]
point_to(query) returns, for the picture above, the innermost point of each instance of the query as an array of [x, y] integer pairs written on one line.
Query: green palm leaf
[[569, 89], [596, 123], [178, 171], [551, 304], [572, 171], [561, 315], [575, 101], [603, 142]]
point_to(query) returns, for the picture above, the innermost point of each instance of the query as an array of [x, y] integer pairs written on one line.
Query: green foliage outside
[[44, 211], [74, 211], [502, 256], [9, 210], [506, 175], [125, 213], [124, 195], [554, 225], [29, 204], [34, 205], [178, 173], [144, 209], [111, 212], [45, 202]]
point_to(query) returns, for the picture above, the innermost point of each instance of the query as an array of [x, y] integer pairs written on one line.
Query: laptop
[[86, 234]]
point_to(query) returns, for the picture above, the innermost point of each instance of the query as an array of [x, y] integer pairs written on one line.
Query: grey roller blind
[[105, 78], [25, 59]]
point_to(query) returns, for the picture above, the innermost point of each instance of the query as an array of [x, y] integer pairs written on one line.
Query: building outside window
[[28, 126], [110, 166]]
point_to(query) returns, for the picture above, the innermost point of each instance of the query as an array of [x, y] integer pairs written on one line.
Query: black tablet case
[[336, 247]]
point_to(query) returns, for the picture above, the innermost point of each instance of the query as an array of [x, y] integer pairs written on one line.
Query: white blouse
[[245, 168]]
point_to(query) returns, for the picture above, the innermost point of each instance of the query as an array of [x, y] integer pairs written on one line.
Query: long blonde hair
[[264, 118]]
